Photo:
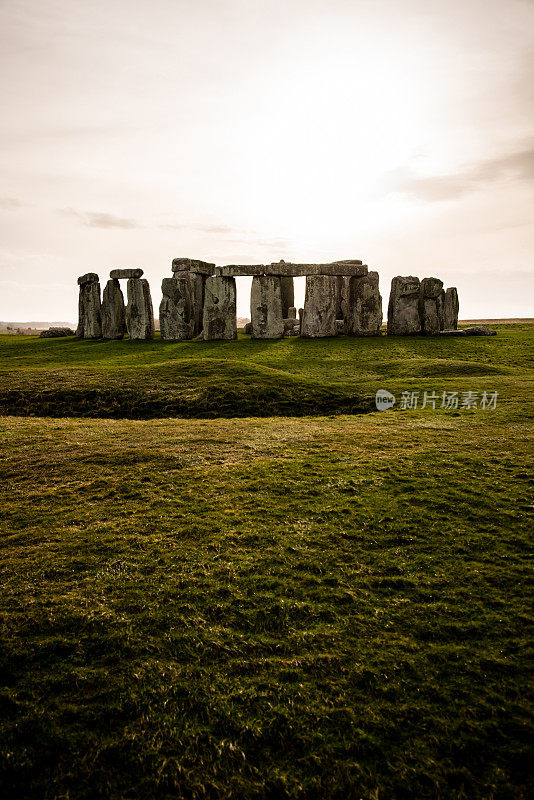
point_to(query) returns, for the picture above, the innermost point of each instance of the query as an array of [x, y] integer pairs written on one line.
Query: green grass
[[70, 377], [313, 607]]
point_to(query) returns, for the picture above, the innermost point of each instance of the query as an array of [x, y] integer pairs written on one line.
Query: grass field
[[265, 607]]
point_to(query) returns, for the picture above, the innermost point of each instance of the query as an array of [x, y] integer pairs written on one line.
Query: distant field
[[288, 607]]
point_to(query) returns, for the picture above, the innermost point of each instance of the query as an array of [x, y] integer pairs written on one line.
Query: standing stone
[[139, 313], [431, 306], [288, 294], [403, 308], [113, 311], [219, 320], [266, 306], [291, 312], [176, 310], [362, 306], [197, 282], [341, 282], [319, 317], [451, 308], [89, 308]]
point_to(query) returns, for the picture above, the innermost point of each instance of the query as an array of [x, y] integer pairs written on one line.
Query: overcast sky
[[400, 132]]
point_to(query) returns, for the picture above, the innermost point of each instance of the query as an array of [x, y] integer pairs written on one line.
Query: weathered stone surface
[[53, 333], [219, 320], [247, 328], [301, 313], [431, 306], [198, 282], [334, 268], [176, 310], [126, 273], [113, 311], [340, 326], [288, 295], [89, 277], [291, 327], [479, 330], [362, 306], [89, 311], [139, 312], [237, 270], [319, 317], [451, 308], [291, 313], [192, 265], [341, 282], [266, 307], [452, 333], [403, 308]]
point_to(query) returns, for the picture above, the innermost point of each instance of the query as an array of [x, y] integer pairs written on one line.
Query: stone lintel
[[125, 273], [89, 277], [236, 270], [283, 269], [335, 268], [192, 265]]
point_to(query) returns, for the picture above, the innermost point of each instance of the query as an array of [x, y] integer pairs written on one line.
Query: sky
[[399, 132]]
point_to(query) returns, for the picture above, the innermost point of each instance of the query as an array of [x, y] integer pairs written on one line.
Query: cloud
[[10, 203], [222, 230], [518, 165], [100, 219]]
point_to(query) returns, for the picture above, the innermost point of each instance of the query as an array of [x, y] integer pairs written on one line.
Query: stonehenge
[[113, 312], [319, 318], [139, 313], [219, 317], [266, 308], [403, 308], [450, 309], [89, 307], [362, 306], [199, 303], [177, 310]]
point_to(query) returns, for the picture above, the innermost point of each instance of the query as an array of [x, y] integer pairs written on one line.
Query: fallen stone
[[291, 313], [126, 273], [89, 277], [334, 268], [53, 333], [452, 332], [266, 307], [319, 317], [479, 330], [219, 319], [192, 265], [431, 306], [291, 327], [89, 311], [403, 308], [113, 311], [362, 306], [139, 312], [451, 307], [176, 310]]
